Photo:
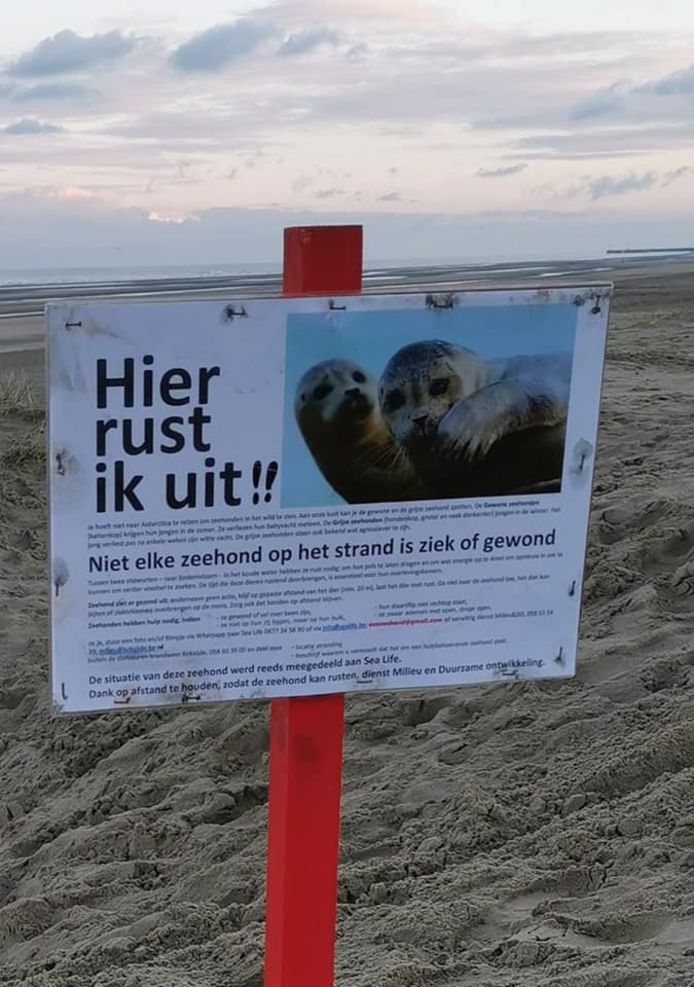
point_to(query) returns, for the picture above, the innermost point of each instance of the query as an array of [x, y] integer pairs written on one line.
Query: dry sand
[[525, 834]]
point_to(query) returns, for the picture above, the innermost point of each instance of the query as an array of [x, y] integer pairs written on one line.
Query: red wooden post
[[322, 260], [306, 733]]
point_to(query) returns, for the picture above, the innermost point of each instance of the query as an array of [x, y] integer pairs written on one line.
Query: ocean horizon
[[119, 274]]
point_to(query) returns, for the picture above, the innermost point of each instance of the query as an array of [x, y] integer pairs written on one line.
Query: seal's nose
[[419, 419], [352, 392]]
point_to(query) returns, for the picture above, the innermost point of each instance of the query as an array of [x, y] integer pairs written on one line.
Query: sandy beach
[[521, 834]]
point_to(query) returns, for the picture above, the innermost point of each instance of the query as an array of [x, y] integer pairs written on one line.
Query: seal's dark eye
[[438, 386], [322, 391], [359, 377], [393, 400]]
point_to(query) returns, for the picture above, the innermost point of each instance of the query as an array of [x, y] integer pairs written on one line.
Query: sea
[[17, 277], [119, 275], [24, 292]]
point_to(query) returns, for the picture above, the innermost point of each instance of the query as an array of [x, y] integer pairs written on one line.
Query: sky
[[453, 129]]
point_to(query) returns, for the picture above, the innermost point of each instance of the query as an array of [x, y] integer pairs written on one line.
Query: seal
[[473, 426], [337, 409]]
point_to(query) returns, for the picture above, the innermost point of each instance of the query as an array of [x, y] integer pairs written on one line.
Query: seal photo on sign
[[337, 409], [472, 426]]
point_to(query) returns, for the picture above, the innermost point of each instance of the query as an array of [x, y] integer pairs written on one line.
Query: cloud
[[676, 83], [71, 192], [628, 99], [609, 185], [218, 46], [414, 100], [302, 42], [418, 13], [502, 172], [606, 142], [600, 103], [54, 92], [671, 176], [177, 218], [28, 125], [604, 186], [358, 52], [390, 197], [329, 193], [70, 52]]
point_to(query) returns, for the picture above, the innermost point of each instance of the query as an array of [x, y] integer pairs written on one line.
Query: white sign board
[[297, 496]]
